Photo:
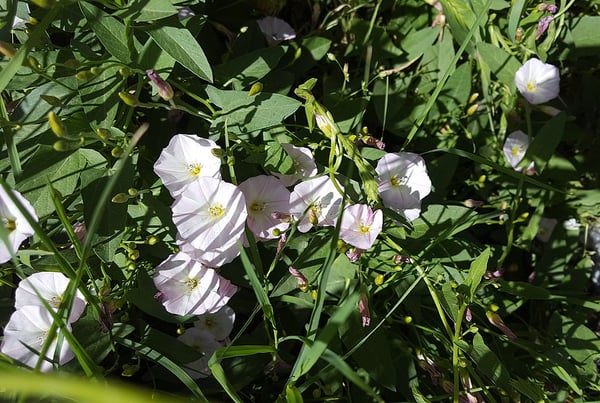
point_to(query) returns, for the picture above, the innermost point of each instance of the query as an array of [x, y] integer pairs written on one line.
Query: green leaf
[[110, 31], [502, 64], [243, 114], [292, 394], [50, 166], [514, 18], [545, 142], [586, 32], [181, 45], [261, 294], [147, 10], [476, 272], [244, 70], [487, 363], [530, 389], [100, 98]]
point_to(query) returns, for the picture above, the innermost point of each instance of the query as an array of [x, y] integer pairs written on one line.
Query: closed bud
[[52, 100], [473, 97], [519, 34], [408, 320], [96, 70], [217, 152], [128, 99], [497, 321], [120, 198], [152, 240], [132, 192], [124, 72], [134, 255], [44, 3], [164, 88], [482, 179], [56, 125], [255, 89], [116, 152], [33, 63], [7, 49], [331, 57], [300, 278], [104, 134], [62, 145], [84, 75], [472, 109], [379, 279]]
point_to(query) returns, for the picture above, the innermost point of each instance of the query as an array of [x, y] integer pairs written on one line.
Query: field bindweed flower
[[317, 202], [515, 147], [49, 287], [304, 165], [360, 225], [16, 227], [538, 82], [403, 182], [187, 287], [264, 196], [25, 335], [275, 30], [543, 25], [187, 158], [210, 217], [219, 324], [203, 342]]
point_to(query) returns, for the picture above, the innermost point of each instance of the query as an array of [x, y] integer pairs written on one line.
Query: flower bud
[[379, 279], [128, 99], [497, 321], [56, 125], [33, 63], [255, 89], [363, 308], [84, 75], [104, 134], [164, 88], [472, 109], [302, 280], [152, 240], [373, 142], [116, 152], [120, 198], [473, 97]]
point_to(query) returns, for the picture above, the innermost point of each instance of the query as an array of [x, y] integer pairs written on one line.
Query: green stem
[[11, 146]]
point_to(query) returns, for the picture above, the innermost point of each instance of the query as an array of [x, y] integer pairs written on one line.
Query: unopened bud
[[301, 278], [255, 89], [96, 70], [473, 203], [164, 88], [132, 191], [400, 259], [331, 57], [519, 34], [56, 125], [152, 240], [116, 152], [312, 217], [84, 75], [471, 110], [128, 99], [33, 63], [379, 279], [52, 100], [104, 134], [373, 142], [120, 198], [473, 97], [65, 145], [363, 308], [497, 321]]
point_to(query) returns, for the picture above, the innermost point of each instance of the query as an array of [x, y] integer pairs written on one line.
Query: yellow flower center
[[530, 86], [364, 229], [397, 182], [515, 150], [10, 224], [191, 283], [194, 169], [216, 211], [313, 214], [55, 301], [257, 207]]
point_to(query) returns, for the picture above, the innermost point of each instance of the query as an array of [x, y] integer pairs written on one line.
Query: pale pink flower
[[315, 202], [49, 287], [16, 227], [403, 182], [276, 30], [210, 216], [300, 278], [363, 308], [187, 287], [25, 335], [219, 324], [360, 225], [304, 165], [538, 82], [186, 159], [203, 342], [265, 195]]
